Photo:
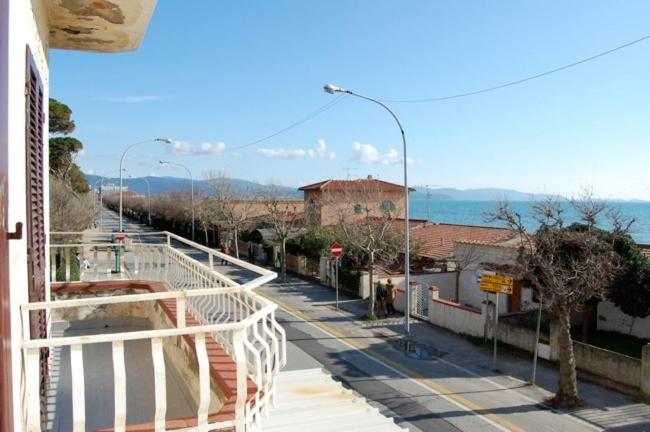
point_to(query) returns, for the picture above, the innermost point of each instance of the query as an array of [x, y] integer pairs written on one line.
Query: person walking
[[226, 251], [380, 296], [390, 297], [251, 252]]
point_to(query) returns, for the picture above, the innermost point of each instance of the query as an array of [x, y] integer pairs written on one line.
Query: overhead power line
[[304, 119], [522, 80]]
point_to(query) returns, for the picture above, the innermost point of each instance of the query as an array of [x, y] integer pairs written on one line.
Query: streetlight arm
[[407, 258], [165, 140]]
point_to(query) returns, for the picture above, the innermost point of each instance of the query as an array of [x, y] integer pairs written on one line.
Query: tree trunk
[[371, 299], [567, 393], [283, 259], [205, 232], [236, 244]]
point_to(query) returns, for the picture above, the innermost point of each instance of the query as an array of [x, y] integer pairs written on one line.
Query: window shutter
[[35, 119]]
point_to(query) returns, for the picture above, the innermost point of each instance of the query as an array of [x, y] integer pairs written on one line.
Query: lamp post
[[331, 89], [164, 140], [162, 162]]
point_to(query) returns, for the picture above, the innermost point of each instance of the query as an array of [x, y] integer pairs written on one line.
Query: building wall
[[26, 26], [327, 203], [611, 318], [470, 293]]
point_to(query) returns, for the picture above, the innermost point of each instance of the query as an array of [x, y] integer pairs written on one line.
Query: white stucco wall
[[611, 318], [26, 27], [470, 292]]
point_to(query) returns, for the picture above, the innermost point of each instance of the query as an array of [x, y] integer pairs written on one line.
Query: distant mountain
[[161, 185], [484, 194]]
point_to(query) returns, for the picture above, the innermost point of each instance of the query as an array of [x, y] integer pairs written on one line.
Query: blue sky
[[216, 75]]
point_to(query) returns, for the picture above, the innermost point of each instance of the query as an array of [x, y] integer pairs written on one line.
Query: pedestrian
[[251, 252], [390, 297], [226, 251], [380, 296]]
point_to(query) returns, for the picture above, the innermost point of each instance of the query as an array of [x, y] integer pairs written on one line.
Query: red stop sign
[[337, 249]]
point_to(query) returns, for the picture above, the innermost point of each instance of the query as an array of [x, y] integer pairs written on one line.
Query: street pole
[[539, 323], [329, 88], [495, 336], [336, 269], [165, 140], [192, 188]]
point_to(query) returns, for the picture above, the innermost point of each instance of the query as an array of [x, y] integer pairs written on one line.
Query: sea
[[475, 213]]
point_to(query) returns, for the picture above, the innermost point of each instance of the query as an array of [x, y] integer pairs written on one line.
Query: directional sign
[[497, 284], [337, 249]]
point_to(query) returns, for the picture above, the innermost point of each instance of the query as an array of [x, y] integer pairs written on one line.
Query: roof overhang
[[98, 25]]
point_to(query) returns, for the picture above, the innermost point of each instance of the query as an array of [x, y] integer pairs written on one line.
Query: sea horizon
[[476, 213]]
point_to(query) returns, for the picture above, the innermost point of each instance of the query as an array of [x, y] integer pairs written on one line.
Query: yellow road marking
[[428, 382]]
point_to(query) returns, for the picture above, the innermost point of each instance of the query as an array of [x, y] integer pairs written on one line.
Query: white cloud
[[320, 152], [367, 154], [132, 98], [90, 171], [206, 148]]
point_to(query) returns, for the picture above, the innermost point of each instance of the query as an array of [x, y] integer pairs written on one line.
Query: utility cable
[[522, 80]]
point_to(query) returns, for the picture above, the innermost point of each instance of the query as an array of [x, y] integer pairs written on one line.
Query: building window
[[358, 208], [387, 206]]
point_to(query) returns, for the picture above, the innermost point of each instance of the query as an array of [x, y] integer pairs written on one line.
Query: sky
[[216, 75]]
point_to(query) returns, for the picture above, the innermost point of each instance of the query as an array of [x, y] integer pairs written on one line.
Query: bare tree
[[206, 213], [232, 207], [466, 256], [69, 211], [368, 224], [568, 265], [285, 217]]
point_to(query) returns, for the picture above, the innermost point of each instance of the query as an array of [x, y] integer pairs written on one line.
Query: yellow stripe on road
[[427, 382]]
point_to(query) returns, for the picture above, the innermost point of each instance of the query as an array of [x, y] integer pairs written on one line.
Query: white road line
[[403, 375]]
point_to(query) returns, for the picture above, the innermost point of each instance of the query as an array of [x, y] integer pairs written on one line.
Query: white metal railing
[[242, 322]]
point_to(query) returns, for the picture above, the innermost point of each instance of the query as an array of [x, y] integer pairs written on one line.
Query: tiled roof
[[437, 240], [362, 184], [645, 249]]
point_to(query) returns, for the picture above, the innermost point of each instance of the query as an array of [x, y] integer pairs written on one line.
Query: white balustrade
[[239, 320]]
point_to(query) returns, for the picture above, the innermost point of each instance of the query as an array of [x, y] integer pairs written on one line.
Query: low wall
[[523, 338], [614, 368], [458, 318]]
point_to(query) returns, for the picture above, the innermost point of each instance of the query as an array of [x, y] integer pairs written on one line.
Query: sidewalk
[[451, 365]]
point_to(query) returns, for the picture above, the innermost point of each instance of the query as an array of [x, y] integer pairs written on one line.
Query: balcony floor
[[98, 376]]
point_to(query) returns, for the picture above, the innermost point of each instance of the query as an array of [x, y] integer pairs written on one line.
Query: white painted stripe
[[78, 397], [160, 383], [403, 375], [119, 373], [204, 382]]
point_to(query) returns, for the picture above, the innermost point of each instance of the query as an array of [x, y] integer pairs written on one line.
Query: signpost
[[497, 284], [336, 250]]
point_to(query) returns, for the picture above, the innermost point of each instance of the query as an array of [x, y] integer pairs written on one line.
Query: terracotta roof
[[361, 184], [645, 249], [437, 240]]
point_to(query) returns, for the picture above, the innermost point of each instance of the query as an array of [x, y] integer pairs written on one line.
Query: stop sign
[[337, 249]]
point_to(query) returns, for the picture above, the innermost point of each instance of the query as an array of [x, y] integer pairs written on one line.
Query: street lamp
[[162, 162], [163, 140], [331, 89]]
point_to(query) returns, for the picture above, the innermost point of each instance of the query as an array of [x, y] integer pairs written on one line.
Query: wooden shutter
[[35, 122]]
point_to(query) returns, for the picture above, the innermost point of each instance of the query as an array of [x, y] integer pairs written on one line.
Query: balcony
[[146, 333]]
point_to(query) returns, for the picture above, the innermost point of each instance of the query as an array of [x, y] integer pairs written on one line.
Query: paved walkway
[[453, 388]]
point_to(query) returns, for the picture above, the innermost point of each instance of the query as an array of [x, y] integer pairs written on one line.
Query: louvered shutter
[[35, 119]]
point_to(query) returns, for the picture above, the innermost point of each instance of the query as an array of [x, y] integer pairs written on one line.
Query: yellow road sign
[[497, 284]]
